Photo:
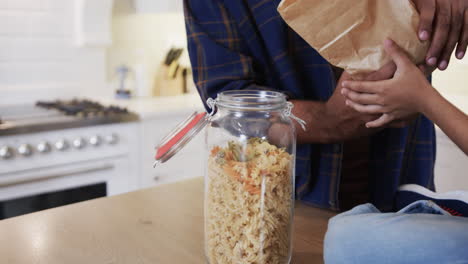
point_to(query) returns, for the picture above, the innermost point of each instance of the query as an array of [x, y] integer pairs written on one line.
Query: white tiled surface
[[37, 48], [24, 4], [135, 42], [157, 107]]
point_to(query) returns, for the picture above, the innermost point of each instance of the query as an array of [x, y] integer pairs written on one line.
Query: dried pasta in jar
[[248, 203]]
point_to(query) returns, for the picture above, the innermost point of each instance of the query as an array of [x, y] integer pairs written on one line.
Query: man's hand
[[445, 24], [347, 123], [402, 96], [332, 121]]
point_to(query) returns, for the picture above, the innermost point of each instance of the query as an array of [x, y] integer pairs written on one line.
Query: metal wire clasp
[[212, 105], [288, 112], [156, 164]]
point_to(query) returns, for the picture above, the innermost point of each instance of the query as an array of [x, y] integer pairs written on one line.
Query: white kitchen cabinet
[[451, 171], [93, 22], [187, 163], [158, 117]]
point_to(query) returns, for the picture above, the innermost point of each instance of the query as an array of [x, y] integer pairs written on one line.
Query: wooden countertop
[[158, 225]]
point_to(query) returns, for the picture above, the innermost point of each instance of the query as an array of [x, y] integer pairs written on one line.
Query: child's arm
[[406, 93], [449, 118]]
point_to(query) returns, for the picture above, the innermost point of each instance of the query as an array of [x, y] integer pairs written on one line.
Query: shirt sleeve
[[218, 54]]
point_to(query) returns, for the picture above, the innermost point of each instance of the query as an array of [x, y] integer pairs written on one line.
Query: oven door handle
[[90, 169]]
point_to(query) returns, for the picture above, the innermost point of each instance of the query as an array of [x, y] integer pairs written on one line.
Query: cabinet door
[[189, 162], [451, 170]]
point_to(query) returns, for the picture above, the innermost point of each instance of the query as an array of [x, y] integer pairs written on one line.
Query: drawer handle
[[59, 175]]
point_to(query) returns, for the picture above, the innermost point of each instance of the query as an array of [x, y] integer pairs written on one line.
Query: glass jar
[[249, 184], [249, 179]]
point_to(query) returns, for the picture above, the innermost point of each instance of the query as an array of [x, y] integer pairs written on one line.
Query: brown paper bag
[[350, 33]]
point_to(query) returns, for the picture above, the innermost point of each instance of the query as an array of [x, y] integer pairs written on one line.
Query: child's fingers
[[361, 98], [362, 87], [382, 121], [365, 109], [398, 55]]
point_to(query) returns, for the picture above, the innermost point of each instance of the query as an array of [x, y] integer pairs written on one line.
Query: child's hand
[[395, 99]]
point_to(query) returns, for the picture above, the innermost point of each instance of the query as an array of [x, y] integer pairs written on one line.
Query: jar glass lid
[[180, 136], [243, 100]]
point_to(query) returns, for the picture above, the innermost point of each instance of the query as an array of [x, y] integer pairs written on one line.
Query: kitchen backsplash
[[38, 51], [143, 40]]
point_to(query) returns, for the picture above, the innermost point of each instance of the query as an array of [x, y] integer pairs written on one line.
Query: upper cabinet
[[93, 18], [158, 6], [93, 22]]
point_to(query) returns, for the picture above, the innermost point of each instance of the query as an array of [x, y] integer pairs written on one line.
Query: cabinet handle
[[156, 178], [59, 175]]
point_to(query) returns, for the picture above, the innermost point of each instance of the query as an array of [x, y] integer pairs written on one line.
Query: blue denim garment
[[422, 232]]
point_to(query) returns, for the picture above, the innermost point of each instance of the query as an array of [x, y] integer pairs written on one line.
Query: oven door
[[34, 190]]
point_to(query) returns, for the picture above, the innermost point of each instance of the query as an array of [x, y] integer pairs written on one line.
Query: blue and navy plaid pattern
[[245, 44]]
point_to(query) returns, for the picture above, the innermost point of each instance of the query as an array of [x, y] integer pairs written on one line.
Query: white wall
[[38, 57], [454, 80], [144, 39], [451, 165]]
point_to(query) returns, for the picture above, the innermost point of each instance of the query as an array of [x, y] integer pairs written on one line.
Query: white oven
[[49, 169]]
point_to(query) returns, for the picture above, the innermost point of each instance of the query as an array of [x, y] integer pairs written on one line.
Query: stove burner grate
[[82, 108]]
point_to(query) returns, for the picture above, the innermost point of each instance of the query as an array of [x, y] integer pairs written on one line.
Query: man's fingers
[[363, 87], [455, 32], [426, 69], [385, 73], [382, 121], [441, 34], [365, 109], [463, 41], [427, 11], [361, 98], [398, 55]]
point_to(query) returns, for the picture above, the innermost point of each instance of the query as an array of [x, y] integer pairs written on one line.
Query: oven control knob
[[6, 152], [43, 147], [61, 145], [79, 143], [25, 150], [112, 139], [95, 140]]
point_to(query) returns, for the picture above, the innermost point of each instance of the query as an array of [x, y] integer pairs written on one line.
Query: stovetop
[[56, 115], [82, 108]]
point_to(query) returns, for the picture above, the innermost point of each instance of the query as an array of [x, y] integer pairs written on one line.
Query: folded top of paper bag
[[350, 33]]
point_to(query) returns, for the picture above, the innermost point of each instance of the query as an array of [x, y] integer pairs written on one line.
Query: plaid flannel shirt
[[245, 44]]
